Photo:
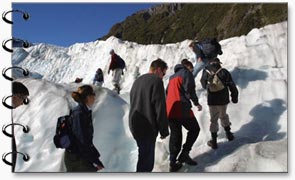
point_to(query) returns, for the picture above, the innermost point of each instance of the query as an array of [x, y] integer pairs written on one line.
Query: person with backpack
[[82, 155], [117, 65], [218, 82], [205, 51], [147, 115], [180, 93], [98, 78]]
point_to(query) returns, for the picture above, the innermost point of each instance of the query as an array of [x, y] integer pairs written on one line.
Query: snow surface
[[257, 61]]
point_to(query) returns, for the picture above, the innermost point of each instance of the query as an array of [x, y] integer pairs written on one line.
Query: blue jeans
[[199, 66], [146, 155]]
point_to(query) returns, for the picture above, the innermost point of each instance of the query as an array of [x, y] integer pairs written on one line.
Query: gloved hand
[[108, 71], [234, 100]]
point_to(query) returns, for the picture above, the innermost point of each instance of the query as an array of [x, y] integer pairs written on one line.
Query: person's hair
[[81, 94], [19, 88], [158, 63], [187, 63], [99, 70]]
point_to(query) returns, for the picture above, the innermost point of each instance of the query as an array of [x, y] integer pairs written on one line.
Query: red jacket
[[180, 90], [114, 62]]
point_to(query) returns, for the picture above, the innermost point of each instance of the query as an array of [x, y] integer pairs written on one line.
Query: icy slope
[[48, 101], [257, 61]]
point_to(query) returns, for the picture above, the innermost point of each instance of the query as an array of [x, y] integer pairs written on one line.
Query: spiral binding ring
[[25, 44], [26, 157], [25, 72], [26, 102], [26, 129], [26, 16]]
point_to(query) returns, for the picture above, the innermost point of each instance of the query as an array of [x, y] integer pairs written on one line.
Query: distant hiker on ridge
[[205, 51], [98, 78], [218, 82], [117, 65]]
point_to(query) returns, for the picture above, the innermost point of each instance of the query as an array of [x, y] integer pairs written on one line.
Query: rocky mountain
[[171, 22]]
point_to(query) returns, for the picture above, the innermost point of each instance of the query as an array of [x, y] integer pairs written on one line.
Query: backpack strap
[[218, 76], [218, 70], [209, 72]]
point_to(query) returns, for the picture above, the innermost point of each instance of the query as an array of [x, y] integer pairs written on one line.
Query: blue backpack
[[63, 132], [210, 48]]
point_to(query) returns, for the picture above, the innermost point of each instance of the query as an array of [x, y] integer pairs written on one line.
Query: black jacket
[[147, 116], [98, 77], [82, 129], [220, 97]]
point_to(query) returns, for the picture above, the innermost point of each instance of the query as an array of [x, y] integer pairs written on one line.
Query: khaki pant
[[217, 112], [117, 73]]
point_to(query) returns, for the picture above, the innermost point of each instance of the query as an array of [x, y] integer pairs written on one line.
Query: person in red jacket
[[117, 70], [180, 91]]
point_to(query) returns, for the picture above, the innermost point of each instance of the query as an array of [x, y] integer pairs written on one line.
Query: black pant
[[176, 135], [74, 163], [146, 155]]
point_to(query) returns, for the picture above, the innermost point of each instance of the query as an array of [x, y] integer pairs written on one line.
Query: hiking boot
[[117, 88], [213, 142], [174, 166], [229, 135], [185, 158]]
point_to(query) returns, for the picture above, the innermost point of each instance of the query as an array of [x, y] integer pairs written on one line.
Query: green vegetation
[[170, 23]]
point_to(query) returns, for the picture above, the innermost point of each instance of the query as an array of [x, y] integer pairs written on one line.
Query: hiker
[[218, 82], [98, 78], [147, 116], [78, 80], [82, 156], [117, 65], [205, 51], [20, 94], [180, 91]]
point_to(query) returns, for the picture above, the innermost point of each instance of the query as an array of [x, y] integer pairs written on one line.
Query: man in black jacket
[[147, 116], [218, 100]]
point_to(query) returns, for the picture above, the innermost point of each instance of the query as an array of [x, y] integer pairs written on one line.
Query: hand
[[199, 107], [199, 59], [235, 101], [191, 45], [99, 167]]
